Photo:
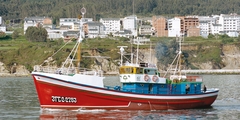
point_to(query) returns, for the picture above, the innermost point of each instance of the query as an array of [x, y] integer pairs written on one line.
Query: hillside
[[19, 9], [20, 56]]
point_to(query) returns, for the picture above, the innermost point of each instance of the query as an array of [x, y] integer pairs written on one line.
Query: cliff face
[[230, 58], [16, 70]]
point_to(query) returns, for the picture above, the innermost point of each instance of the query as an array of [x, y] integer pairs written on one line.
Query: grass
[[23, 52]]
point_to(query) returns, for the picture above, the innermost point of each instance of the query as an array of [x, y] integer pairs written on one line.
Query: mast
[[83, 11], [137, 50], [180, 54]]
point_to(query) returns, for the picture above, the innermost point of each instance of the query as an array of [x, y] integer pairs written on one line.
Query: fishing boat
[[142, 87]]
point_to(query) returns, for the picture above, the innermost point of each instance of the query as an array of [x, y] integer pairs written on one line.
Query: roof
[[34, 18], [70, 33], [123, 32], [110, 18], [216, 24], [94, 24]]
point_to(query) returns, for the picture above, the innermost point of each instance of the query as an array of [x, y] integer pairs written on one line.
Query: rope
[[58, 50]]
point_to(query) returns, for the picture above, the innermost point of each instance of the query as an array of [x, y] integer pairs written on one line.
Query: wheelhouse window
[[130, 70], [150, 71]]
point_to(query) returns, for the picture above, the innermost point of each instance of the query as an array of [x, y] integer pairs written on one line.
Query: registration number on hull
[[64, 99]]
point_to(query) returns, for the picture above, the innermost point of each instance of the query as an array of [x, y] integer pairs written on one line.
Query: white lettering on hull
[[64, 99]]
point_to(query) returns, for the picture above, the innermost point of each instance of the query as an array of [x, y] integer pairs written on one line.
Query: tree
[[36, 34], [15, 34]]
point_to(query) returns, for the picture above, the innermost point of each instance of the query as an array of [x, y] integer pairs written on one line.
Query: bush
[[36, 34], [227, 40], [210, 36], [2, 34]]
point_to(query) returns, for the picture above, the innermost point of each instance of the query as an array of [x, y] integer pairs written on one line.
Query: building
[[216, 28], [230, 24], [190, 25], [94, 29], [160, 27], [145, 30], [205, 25], [69, 35], [174, 27], [111, 25], [130, 23], [123, 33], [69, 23], [72, 23], [45, 22]]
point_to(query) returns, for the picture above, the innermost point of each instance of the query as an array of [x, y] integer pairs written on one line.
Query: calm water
[[18, 100]]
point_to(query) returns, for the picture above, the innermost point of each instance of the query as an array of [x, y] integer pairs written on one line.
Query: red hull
[[58, 94]]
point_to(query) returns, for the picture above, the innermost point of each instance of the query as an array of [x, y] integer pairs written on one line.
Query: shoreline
[[197, 72]]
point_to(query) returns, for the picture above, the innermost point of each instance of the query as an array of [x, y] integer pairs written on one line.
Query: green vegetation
[[203, 51], [36, 34], [19, 9], [2, 35], [21, 51]]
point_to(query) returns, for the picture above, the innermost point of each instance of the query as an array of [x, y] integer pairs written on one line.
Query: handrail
[[67, 71]]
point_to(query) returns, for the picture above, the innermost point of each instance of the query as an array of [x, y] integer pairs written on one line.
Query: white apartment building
[[95, 29], [216, 28], [111, 25], [130, 23], [69, 22], [205, 23], [174, 27], [145, 30], [230, 24], [73, 23]]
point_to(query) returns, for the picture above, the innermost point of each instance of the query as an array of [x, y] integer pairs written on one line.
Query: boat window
[[128, 70], [139, 70], [121, 70], [150, 71]]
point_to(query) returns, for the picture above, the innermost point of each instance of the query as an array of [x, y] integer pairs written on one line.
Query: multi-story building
[[72, 23], [230, 24], [111, 25], [216, 28], [145, 30], [94, 29], [204, 28], [130, 23], [160, 26], [191, 26], [205, 23], [174, 27]]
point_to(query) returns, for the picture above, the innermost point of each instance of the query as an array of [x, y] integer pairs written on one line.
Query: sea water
[[18, 100]]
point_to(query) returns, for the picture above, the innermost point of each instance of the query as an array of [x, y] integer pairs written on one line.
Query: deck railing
[[67, 71]]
